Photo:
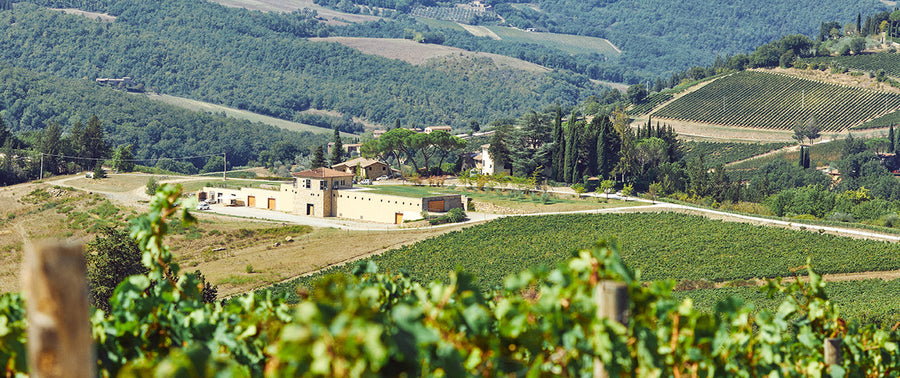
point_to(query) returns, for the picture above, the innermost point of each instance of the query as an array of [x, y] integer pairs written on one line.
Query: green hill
[[765, 100]]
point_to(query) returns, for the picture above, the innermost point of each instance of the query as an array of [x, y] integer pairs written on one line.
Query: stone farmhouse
[[371, 169], [326, 192]]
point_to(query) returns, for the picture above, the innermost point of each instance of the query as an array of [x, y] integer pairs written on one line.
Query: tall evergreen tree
[[608, 146], [559, 146], [894, 140], [571, 147], [318, 158], [50, 146], [4, 133], [94, 142], [337, 151], [859, 24]]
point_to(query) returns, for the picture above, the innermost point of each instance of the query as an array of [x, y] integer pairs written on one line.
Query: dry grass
[[195, 105], [331, 16], [92, 15], [420, 53]]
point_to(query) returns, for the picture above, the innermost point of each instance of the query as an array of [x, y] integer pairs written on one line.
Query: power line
[[135, 160]]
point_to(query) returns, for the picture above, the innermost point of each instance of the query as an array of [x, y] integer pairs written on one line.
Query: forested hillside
[[30, 101], [257, 62]]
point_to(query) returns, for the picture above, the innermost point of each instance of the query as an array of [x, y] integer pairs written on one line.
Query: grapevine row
[[763, 100]]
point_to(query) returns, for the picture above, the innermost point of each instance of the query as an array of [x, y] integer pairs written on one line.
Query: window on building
[[308, 183], [323, 185]]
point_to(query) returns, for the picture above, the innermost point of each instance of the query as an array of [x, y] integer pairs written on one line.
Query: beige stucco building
[[325, 192], [372, 169]]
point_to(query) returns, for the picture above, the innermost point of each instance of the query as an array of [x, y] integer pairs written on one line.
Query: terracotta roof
[[360, 160], [322, 173]]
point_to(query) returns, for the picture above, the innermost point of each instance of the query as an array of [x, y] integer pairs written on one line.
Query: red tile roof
[[322, 173]]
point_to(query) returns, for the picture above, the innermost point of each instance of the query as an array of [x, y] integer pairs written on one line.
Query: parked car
[[202, 206], [385, 177], [365, 182]]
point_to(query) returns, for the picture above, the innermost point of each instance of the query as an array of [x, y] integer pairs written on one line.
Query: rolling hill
[[775, 101]]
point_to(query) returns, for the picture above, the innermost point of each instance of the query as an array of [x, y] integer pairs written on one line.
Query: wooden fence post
[[612, 302], [56, 296], [833, 352]]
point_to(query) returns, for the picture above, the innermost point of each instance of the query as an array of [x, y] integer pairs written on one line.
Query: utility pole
[[224, 165], [42, 166]]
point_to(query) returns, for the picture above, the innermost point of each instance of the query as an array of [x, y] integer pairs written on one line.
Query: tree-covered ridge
[[242, 59], [31, 101]]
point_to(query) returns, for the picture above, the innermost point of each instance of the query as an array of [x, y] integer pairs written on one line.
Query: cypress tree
[[571, 149], [337, 152], [559, 147], [893, 138], [859, 23], [608, 146]]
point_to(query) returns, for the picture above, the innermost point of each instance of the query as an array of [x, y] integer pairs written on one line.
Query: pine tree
[[337, 151], [50, 143], [318, 158], [94, 142], [559, 147]]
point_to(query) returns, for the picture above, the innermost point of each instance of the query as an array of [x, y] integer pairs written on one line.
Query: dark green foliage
[[154, 129], [99, 172], [172, 48], [337, 150], [123, 159], [559, 146], [112, 257], [716, 153], [608, 147], [51, 147], [151, 186], [318, 158]]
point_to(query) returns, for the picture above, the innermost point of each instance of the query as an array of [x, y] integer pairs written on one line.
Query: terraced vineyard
[[715, 153], [890, 63], [764, 100]]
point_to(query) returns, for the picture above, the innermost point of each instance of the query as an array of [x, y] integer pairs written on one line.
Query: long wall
[[361, 205], [260, 198]]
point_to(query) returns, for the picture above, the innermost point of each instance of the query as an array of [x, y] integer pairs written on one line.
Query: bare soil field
[[91, 15], [420, 53], [331, 16], [480, 31]]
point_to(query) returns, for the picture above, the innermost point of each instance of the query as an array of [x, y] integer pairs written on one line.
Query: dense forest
[[32, 101], [255, 61], [659, 37]]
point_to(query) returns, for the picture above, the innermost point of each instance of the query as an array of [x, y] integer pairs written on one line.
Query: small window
[[323, 185], [308, 183]]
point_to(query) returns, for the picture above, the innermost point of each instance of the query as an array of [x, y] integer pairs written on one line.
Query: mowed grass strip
[[572, 44], [764, 100], [660, 245]]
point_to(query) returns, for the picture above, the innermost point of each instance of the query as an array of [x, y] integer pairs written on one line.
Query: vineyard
[[455, 14], [871, 301], [890, 63], [717, 153], [763, 100], [591, 314], [881, 122], [660, 245]]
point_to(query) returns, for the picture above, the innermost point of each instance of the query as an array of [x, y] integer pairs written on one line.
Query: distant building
[[377, 133], [487, 166], [326, 192], [431, 129], [372, 169], [350, 149]]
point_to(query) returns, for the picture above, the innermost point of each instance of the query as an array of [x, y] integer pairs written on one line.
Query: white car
[[385, 177], [202, 206], [365, 182]]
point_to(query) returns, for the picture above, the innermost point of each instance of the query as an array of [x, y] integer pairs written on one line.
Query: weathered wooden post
[[833, 352], [612, 302], [59, 327]]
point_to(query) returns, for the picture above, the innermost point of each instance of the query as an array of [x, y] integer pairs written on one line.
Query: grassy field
[[819, 155], [508, 201], [715, 153], [572, 44], [764, 100], [420, 53], [201, 106]]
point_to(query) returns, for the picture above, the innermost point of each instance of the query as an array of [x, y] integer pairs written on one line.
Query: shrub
[[152, 185], [456, 215], [840, 217]]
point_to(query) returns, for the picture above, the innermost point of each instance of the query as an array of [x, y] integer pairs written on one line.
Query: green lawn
[[572, 44]]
